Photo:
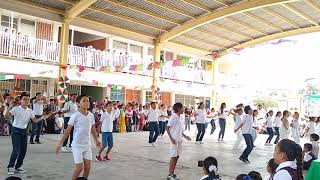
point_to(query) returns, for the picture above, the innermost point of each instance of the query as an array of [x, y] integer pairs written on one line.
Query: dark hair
[[285, 112], [177, 106], [272, 165], [268, 114], [307, 146], [278, 113], [73, 94], [312, 119], [314, 136], [80, 97], [152, 103], [255, 175], [246, 109], [23, 94], [318, 119], [239, 105], [293, 152], [38, 93], [81, 178], [243, 177], [209, 161], [13, 178], [221, 107], [200, 104], [108, 103]]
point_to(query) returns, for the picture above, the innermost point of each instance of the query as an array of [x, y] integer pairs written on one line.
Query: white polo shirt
[[284, 174], [201, 116], [237, 121], [277, 121], [162, 113], [116, 112], [107, 121], [175, 127], [247, 124], [37, 108], [152, 115], [73, 108], [82, 129], [269, 121], [21, 116]]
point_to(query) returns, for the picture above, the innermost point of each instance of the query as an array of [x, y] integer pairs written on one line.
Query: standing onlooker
[[69, 109], [152, 115], [246, 126], [223, 113], [135, 116], [188, 114], [284, 129], [37, 107], [237, 129], [269, 127], [129, 114], [201, 123], [141, 117], [58, 123], [116, 113], [213, 115], [162, 119], [277, 124], [175, 133], [308, 156], [310, 127], [122, 120], [295, 134]]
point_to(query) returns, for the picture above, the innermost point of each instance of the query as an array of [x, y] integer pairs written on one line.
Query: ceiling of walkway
[[209, 25]]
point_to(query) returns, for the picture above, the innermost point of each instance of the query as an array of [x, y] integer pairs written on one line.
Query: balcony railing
[[25, 47]]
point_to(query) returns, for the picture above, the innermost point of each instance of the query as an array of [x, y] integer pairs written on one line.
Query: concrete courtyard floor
[[133, 158]]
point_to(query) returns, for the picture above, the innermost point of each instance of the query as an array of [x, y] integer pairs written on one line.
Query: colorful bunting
[[185, 61], [176, 62], [139, 67], [156, 65], [133, 68], [81, 68], [150, 66]]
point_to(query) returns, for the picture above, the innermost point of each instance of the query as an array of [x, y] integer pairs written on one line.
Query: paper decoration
[[81, 68], [133, 68], [185, 61], [62, 93], [94, 82], [176, 63], [161, 64], [17, 76], [156, 65], [150, 66], [139, 67]]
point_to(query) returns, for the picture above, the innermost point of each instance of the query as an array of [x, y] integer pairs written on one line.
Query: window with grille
[[120, 45], [136, 49], [185, 99], [6, 23], [39, 86], [150, 51], [206, 65], [74, 89], [117, 95], [169, 56]]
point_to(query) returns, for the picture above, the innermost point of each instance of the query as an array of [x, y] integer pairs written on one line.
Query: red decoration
[[63, 66], [18, 76], [133, 68], [156, 65], [214, 55], [101, 69], [150, 66], [176, 63], [109, 86], [117, 68], [81, 68], [123, 88], [238, 49], [94, 82]]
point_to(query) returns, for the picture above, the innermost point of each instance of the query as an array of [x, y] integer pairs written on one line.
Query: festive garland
[[62, 93]]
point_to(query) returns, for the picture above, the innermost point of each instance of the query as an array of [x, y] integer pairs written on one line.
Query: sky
[[279, 66]]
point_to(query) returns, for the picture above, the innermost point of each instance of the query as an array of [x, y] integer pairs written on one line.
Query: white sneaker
[[21, 170], [64, 149], [70, 149], [11, 171], [201, 142], [197, 142]]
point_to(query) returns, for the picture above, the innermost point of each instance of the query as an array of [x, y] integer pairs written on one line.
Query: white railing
[[25, 47]]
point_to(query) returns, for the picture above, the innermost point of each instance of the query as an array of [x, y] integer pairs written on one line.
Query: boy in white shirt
[[308, 156], [314, 138], [175, 131], [22, 115], [58, 123], [83, 123], [37, 108], [106, 127], [153, 124]]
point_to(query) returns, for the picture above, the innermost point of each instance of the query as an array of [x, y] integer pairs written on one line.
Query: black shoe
[[243, 160], [38, 142], [31, 142]]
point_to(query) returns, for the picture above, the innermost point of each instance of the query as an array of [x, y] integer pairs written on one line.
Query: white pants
[[239, 139], [81, 153], [175, 149]]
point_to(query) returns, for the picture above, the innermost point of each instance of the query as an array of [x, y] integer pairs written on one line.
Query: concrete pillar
[[63, 50], [156, 59], [215, 72], [50, 87]]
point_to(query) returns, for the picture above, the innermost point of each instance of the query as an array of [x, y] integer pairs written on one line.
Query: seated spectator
[[255, 175], [243, 177], [308, 156], [314, 138], [210, 169], [271, 168]]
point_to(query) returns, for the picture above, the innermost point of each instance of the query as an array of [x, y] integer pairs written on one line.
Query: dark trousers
[[129, 124], [36, 130], [19, 139], [66, 120], [222, 124], [249, 142], [162, 127], [201, 131], [270, 132], [276, 129], [154, 131], [115, 122], [213, 126]]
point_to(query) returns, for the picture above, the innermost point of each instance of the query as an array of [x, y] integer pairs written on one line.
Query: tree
[[266, 103]]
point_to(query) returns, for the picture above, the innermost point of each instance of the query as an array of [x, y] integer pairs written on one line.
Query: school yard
[[133, 158]]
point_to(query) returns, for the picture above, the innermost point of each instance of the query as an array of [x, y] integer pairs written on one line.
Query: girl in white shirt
[[310, 127], [295, 128], [269, 126], [276, 125], [223, 113], [284, 129], [288, 155], [237, 130], [201, 123]]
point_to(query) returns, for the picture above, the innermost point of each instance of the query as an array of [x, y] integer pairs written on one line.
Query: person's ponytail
[[299, 160]]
